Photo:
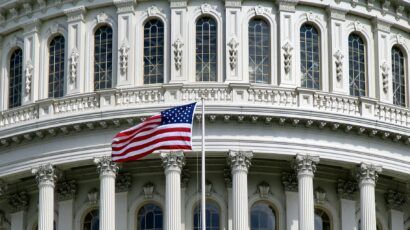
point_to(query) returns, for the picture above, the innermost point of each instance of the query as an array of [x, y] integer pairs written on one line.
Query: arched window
[[56, 67], [16, 78], [103, 57], [212, 216], [153, 52], [310, 56], [322, 220], [399, 85], [150, 217], [259, 51], [91, 220], [206, 46], [263, 217], [357, 66]]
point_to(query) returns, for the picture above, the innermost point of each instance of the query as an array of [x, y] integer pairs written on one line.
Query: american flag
[[170, 130]]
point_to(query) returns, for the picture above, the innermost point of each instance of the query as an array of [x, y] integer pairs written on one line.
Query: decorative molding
[[233, 52], [290, 181], [153, 11], [357, 26], [260, 10], [385, 7], [73, 63], [385, 76], [19, 201], [149, 189], [399, 39], [368, 173], [287, 55], [228, 177], [105, 165], [346, 189], [45, 174], [29, 74], [125, 6], [3, 187], [123, 54], [93, 196], [15, 42], [395, 200], [102, 17], [66, 190], [173, 160], [264, 189], [178, 44], [305, 164], [239, 160], [209, 188], [310, 16], [75, 14], [123, 183], [399, 12], [207, 8], [185, 177], [354, 3], [339, 64], [53, 29], [320, 195]]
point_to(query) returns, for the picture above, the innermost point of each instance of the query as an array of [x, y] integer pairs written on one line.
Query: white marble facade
[[316, 157]]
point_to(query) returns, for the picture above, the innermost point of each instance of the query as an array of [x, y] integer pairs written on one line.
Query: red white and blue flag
[[169, 130]]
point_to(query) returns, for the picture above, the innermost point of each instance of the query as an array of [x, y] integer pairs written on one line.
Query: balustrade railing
[[229, 94]]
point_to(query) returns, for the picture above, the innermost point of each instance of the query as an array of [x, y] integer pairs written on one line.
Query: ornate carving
[[27, 8], [153, 10], [399, 39], [173, 160], [368, 173], [228, 177], [305, 164], [233, 52], [339, 64], [123, 183], [29, 74], [290, 182], [19, 201], [102, 17], [178, 44], [320, 195], [105, 166], [209, 188], [239, 160], [260, 10], [399, 12], [45, 174], [346, 189], [13, 13], [310, 16], [73, 65], [395, 199], [206, 8], [66, 190], [385, 76], [357, 25], [149, 190], [353, 3], [185, 176], [264, 189], [287, 55], [93, 196], [3, 188], [123, 53], [385, 7]]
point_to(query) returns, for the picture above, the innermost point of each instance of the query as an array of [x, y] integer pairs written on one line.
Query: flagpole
[[203, 212]]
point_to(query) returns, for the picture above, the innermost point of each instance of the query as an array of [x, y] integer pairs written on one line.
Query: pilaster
[[173, 162], [228, 185], [126, 30], [305, 167], [179, 34], [346, 190], [233, 40], [76, 49], [338, 53], [122, 188], [383, 80], [367, 175], [31, 61], [395, 202], [290, 186], [185, 177], [19, 202], [287, 71], [108, 171], [240, 161], [46, 178], [66, 191]]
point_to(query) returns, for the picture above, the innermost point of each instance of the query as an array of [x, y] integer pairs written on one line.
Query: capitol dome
[[307, 113]]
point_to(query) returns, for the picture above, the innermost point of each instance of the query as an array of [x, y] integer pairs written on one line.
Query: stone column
[[108, 171], [46, 177], [66, 191], [19, 202], [173, 163], [122, 187], [290, 185], [367, 176], [305, 167], [395, 202], [239, 162], [346, 190]]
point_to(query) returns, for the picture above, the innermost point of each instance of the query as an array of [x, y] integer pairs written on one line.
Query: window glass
[[259, 51], [357, 66], [103, 58], [322, 220], [16, 78], [150, 217], [92, 221], [206, 46], [212, 216], [56, 67], [153, 52], [399, 85], [309, 57], [263, 217]]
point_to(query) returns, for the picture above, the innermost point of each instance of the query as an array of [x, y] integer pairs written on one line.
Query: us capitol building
[[307, 113]]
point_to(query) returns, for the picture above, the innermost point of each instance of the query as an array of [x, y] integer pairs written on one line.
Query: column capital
[[75, 14], [123, 183], [239, 160], [45, 174], [66, 190], [19, 201], [3, 187], [289, 182], [305, 164], [395, 200], [346, 189], [173, 160], [105, 166], [368, 173]]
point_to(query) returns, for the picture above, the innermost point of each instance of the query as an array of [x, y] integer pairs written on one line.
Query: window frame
[[198, 205], [7, 85], [164, 46], [405, 75], [137, 210], [320, 54], [47, 65], [366, 64], [269, 52], [275, 210]]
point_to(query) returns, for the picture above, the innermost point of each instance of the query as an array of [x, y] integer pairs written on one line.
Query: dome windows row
[[206, 59]]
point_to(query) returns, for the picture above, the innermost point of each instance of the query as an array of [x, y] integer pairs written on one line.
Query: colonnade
[[239, 162]]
